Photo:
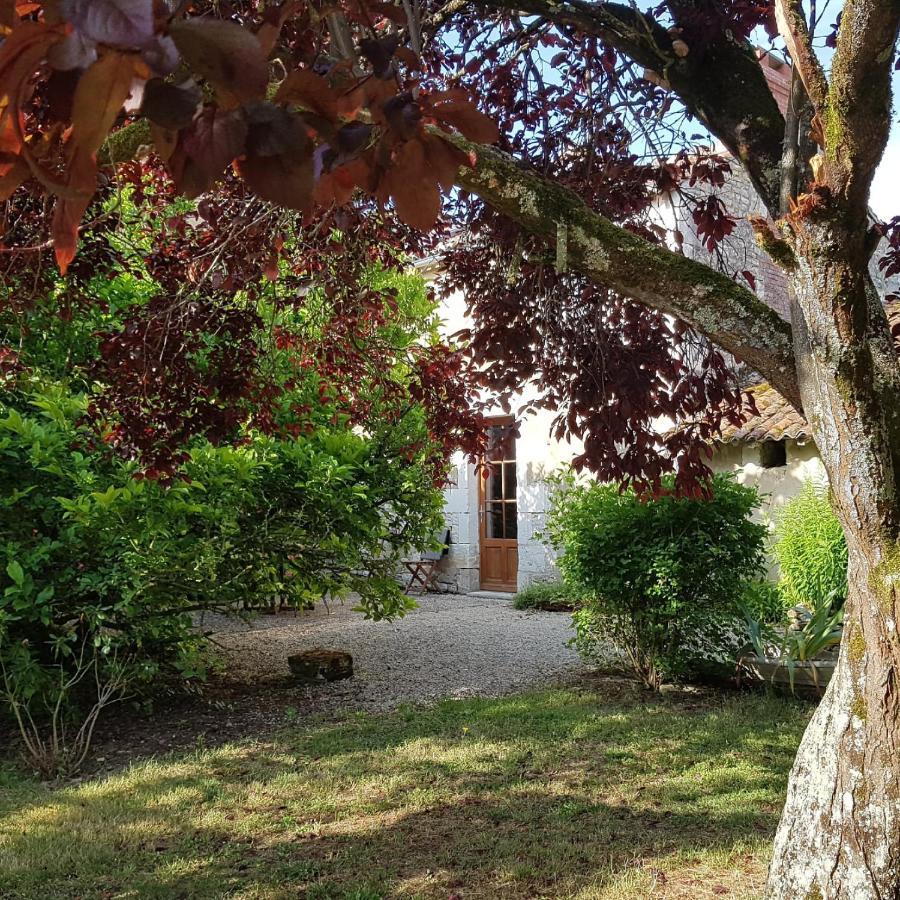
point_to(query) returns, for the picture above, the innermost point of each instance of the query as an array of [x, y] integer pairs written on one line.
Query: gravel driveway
[[451, 646]]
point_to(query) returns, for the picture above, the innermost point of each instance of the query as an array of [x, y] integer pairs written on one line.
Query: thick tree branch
[[728, 314], [795, 31], [858, 109], [724, 85]]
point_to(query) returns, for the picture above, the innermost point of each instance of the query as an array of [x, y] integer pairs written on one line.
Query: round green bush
[[664, 576]]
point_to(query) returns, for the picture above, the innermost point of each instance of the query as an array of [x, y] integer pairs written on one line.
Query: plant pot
[[809, 677]]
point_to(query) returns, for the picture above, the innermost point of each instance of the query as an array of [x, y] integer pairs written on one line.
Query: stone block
[[320, 664]]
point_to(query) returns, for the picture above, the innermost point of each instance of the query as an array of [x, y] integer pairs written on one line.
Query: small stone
[[320, 664]]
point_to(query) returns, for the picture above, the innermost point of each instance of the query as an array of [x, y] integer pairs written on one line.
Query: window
[[773, 454]]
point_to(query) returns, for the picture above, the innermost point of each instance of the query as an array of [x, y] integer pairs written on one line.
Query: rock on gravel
[[451, 646]]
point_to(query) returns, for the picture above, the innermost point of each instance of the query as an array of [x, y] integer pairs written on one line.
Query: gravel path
[[451, 646]]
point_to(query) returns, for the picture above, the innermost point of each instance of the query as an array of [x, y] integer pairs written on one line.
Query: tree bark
[[839, 837]]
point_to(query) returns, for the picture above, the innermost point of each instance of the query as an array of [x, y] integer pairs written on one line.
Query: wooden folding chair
[[424, 571]]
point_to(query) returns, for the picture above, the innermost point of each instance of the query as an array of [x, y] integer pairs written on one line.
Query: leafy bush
[[764, 602], [101, 571], [196, 435], [548, 595], [665, 576], [328, 480], [811, 550]]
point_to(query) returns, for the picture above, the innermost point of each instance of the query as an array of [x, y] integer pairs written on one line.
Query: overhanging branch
[[723, 85], [728, 314], [731, 316]]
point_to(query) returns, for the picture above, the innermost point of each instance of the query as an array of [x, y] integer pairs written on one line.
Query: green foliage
[[811, 550], [809, 640], [548, 595], [103, 571], [94, 555], [665, 575], [764, 602]]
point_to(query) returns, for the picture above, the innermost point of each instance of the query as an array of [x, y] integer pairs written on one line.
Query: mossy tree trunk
[[839, 835]]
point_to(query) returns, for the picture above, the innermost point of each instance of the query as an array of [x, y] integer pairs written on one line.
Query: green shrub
[[811, 550], [102, 571], [665, 576], [764, 602], [548, 595]]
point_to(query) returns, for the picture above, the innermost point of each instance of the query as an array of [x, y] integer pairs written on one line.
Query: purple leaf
[[120, 23], [169, 105], [75, 51], [213, 140]]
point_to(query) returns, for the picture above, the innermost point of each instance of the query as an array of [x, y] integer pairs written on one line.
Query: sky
[[885, 198]]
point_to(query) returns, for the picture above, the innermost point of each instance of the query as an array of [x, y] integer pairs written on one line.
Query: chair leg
[[432, 577], [422, 574], [414, 577]]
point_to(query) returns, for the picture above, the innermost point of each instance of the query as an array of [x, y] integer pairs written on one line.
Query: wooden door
[[498, 510]]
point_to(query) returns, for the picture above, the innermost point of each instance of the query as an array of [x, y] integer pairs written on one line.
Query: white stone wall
[[459, 571], [537, 454], [776, 485]]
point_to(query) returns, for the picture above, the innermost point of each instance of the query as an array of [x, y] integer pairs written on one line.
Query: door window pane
[[511, 528], [496, 442], [494, 486], [509, 481], [493, 520]]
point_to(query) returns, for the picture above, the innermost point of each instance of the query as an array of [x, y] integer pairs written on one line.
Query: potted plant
[[801, 656]]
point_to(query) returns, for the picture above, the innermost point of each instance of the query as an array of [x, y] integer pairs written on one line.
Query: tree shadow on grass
[[542, 795]]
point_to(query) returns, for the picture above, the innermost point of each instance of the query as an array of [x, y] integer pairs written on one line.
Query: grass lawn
[[576, 793]]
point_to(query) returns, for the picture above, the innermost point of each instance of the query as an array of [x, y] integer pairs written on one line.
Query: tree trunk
[[839, 835]]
